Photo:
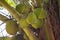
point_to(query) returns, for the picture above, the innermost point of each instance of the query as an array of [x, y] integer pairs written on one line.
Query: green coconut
[[23, 23], [40, 13], [32, 19], [22, 8], [11, 27]]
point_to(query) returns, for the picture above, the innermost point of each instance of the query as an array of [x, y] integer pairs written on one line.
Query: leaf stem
[[10, 9], [30, 34], [3, 18], [47, 31]]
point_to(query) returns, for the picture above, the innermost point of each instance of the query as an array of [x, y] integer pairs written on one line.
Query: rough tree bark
[[52, 21]]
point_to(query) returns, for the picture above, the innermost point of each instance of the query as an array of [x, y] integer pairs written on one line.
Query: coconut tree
[[32, 19]]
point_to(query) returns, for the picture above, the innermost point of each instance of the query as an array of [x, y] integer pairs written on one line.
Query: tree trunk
[[52, 21]]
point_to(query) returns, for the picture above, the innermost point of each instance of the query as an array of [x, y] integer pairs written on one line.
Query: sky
[[3, 32]]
